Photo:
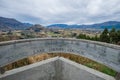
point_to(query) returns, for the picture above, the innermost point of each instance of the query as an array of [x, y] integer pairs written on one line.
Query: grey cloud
[[61, 11]]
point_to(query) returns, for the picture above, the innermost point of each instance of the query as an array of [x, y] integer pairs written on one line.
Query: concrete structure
[[104, 53], [56, 68]]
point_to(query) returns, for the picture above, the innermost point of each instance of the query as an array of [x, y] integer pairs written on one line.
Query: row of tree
[[109, 36]]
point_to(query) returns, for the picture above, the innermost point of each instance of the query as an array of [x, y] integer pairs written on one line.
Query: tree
[[113, 36], [118, 37], [96, 38], [81, 36], [104, 37], [88, 37]]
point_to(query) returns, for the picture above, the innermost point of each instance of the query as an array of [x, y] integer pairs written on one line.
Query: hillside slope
[[11, 24]]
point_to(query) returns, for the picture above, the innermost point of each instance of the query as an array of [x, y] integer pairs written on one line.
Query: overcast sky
[[61, 11]]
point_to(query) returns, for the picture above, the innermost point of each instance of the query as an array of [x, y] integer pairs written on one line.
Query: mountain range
[[108, 24], [12, 24]]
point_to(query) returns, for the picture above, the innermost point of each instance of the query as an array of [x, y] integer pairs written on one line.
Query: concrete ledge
[[17, 70], [89, 70], [81, 40]]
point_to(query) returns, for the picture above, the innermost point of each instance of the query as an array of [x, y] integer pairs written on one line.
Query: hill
[[12, 24], [108, 24]]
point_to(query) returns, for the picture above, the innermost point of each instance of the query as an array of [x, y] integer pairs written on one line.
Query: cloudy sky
[[61, 11]]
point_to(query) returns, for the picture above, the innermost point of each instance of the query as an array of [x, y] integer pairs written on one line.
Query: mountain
[[108, 24], [12, 24], [58, 26]]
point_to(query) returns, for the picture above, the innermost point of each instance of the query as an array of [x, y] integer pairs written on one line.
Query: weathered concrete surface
[[55, 69], [75, 71], [104, 53], [44, 70]]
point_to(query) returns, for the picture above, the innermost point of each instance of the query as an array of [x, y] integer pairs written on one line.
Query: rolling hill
[[108, 24], [12, 24]]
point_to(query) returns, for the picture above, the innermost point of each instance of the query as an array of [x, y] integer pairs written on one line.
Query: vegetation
[[84, 36], [9, 37], [104, 37], [76, 58], [112, 36]]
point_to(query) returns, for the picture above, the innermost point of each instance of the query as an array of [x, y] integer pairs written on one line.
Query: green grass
[[109, 71], [103, 68]]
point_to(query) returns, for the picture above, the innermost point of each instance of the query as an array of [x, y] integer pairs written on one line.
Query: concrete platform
[[57, 68]]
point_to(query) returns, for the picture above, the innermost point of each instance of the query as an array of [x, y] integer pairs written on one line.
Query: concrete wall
[[44, 70], [75, 71], [104, 53], [55, 69]]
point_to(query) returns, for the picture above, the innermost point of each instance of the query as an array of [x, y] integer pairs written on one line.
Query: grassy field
[[79, 59]]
